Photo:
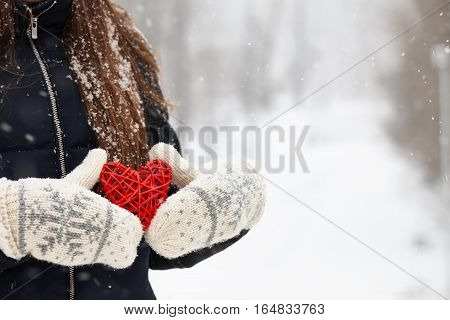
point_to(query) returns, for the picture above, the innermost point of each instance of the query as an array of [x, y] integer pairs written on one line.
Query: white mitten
[[61, 221], [209, 208]]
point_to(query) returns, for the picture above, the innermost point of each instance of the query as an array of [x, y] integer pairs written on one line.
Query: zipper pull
[[34, 28], [34, 20]]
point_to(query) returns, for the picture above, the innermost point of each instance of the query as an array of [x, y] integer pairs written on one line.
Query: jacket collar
[[51, 21]]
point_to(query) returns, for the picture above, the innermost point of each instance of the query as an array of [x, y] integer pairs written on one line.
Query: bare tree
[[414, 88], [257, 85]]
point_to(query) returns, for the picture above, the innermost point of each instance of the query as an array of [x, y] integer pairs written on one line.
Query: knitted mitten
[[209, 208], [61, 221]]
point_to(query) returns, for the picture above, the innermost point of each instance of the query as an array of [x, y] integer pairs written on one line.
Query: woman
[[77, 75]]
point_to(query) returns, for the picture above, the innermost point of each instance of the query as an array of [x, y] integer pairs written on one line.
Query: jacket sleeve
[[159, 130], [160, 263], [5, 262], [8, 263]]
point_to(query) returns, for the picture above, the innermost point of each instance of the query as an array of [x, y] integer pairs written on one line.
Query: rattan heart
[[139, 191]]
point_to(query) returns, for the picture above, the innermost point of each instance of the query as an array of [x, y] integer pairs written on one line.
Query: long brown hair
[[115, 70]]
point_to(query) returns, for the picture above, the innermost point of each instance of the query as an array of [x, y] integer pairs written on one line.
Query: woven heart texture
[[138, 191]]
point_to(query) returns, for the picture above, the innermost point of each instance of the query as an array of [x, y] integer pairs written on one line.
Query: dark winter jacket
[[29, 148]]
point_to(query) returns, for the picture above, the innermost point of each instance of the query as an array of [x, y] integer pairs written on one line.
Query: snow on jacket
[[29, 148]]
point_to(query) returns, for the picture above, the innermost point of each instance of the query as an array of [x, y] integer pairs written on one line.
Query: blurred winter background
[[370, 218]]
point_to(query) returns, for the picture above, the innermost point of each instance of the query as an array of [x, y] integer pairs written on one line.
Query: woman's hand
[[61, 221], [209, 208]]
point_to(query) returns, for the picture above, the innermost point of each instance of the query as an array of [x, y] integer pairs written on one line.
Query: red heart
[[139, 191]]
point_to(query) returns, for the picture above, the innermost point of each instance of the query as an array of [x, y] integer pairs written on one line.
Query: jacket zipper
[[59, 136]]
